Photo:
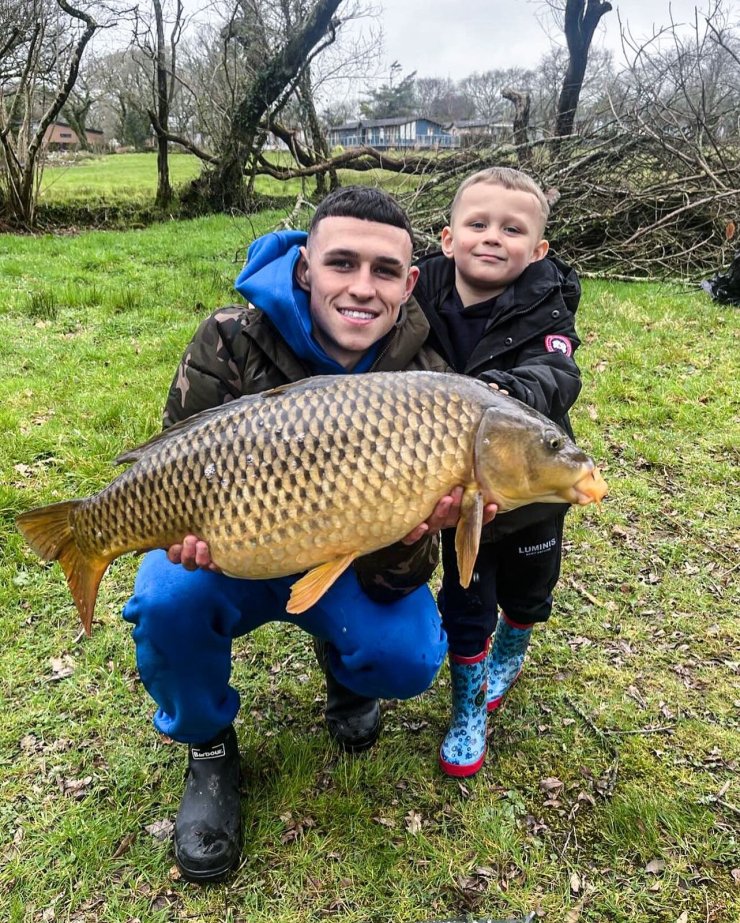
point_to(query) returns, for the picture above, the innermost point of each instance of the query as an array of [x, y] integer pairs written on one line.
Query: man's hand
[[193, 553], [445, 516]]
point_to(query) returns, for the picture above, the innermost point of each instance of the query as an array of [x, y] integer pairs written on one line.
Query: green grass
[[126, 179], [637, 671], [119, 177]]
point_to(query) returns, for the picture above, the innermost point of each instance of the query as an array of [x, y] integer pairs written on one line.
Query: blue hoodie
[[268, 282]]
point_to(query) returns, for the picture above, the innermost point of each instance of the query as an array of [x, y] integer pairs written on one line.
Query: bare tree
[[77, 109], [39, 61], [157, 35], [222, 186], [581, 17], [485, 90], [682, 83]]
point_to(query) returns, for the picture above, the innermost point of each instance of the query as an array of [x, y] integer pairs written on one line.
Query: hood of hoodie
[[268, 282]]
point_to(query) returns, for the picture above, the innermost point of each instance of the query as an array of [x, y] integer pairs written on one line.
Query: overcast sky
[[453, 38]]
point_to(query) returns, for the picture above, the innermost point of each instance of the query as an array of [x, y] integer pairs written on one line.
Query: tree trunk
[[317, 136], [77, 116], [164, 187], [223, 188], [581, 19], [23, 156], [521, 102]]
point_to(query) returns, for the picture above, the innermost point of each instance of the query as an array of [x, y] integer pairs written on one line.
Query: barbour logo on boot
[[213, 754]]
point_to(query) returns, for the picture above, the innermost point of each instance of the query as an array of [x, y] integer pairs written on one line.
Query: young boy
[[502, 311]]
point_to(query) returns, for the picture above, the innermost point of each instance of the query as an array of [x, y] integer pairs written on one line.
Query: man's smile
[[360, 314]]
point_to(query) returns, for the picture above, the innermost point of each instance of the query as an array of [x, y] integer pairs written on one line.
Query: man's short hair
[[364, 202], [508, 178]]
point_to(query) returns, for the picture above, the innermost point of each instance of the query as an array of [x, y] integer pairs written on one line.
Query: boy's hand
[[445, 516], [492, 384], [193, 553]]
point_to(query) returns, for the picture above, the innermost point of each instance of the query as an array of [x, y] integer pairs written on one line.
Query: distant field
[[127, 178], [113, 177]]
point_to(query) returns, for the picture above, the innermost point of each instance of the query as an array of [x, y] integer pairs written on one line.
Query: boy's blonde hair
[[508, 178]]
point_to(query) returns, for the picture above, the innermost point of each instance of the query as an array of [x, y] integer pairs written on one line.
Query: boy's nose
[[493, 235]]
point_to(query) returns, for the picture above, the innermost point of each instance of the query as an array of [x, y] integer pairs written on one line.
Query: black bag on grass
[[725, 286]]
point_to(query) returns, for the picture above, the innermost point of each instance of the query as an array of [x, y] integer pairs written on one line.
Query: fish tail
[[49, 530]]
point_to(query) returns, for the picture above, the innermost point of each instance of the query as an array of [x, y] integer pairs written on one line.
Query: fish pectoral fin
[[467, 534], [311, 587]]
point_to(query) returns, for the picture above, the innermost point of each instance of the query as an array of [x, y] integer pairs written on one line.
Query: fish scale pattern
[[281, 482]]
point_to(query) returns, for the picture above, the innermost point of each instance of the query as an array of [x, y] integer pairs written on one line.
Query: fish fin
[[189, 423], [467, 534], [312, 586], [303, 384], [49, 531]]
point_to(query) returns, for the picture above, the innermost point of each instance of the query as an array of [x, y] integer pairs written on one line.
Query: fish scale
[[310, 475]]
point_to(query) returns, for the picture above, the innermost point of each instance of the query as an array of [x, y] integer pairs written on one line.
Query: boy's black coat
[[512, 352]]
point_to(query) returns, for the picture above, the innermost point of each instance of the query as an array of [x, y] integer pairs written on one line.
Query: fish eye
[[554, 441]]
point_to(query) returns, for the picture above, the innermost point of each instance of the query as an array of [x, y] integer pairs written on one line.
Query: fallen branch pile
[[626, 205]]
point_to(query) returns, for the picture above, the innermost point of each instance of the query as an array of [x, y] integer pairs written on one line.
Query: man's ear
[[540, 251], [301, 271], [411, 282], [446, 241]]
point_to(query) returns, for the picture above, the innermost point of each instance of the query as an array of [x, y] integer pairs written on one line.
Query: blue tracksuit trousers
[[185, 621]]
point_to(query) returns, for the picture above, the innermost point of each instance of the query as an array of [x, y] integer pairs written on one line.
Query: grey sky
[[453, 38]]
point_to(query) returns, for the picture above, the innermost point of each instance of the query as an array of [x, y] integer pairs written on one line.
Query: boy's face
[[358, 274], [494, 235]]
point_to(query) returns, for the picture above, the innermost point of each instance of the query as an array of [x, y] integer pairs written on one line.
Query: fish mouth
[[591, 488]]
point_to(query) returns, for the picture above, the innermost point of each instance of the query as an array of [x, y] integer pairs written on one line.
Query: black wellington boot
[[352, 720], [208, 824]]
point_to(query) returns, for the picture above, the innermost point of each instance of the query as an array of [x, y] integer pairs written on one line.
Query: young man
[[335, 301], [500, 311]]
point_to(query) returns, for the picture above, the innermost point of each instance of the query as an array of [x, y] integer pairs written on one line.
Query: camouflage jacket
[[238, 351]]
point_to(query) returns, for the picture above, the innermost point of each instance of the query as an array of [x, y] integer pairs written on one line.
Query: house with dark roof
[[60, 136], [410, 131]]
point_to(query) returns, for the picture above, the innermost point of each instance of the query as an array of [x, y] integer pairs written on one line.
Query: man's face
[[494, 235], [358, 274]]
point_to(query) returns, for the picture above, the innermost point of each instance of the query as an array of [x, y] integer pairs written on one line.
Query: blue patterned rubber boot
[[464, 748], [506, 659]]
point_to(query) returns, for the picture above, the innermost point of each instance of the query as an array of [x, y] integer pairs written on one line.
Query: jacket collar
[[535, 283]]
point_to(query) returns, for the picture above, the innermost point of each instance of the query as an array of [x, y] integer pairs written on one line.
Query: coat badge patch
[[554, 343]]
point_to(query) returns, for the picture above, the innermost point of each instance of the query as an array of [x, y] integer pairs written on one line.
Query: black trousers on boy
[[516, 574]]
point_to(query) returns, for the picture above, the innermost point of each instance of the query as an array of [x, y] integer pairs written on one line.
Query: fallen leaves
[[75, 788], [295, 828], [551, 784], [655, 866], [385, 822], [161, 829], [123, 847], [413, 822], [61, 667]]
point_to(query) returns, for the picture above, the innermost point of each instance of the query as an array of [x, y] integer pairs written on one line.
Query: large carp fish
[[308, 476]]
